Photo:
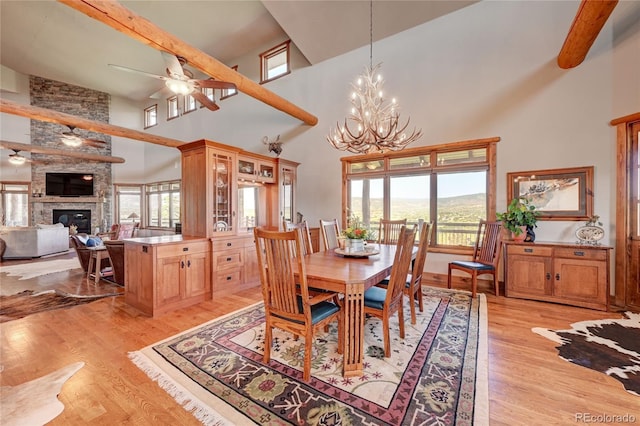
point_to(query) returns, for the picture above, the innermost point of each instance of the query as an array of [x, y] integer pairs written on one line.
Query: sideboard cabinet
[[555, 272]]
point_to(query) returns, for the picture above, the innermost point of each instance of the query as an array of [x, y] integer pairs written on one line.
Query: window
[[172, 108], [274, 63], [448, 184], [209, 93], [189, 103], [229, 92], [128, 203], [163, 204], [14, 203], [151, 116]]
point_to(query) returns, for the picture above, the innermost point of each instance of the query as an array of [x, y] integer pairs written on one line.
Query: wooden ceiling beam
[[589, 20], [51, 116], [128, 22], [53, 151]]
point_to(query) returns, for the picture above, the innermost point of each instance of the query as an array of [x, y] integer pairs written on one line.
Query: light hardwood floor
[[529, 384]]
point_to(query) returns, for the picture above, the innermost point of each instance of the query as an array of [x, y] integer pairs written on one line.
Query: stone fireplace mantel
[[67, 200]]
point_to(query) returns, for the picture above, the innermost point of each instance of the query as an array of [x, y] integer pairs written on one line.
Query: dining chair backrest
[[401, 264], [330, 231], [488, 243], [305, 235], [389, 230], [279, 259], [424, 240]]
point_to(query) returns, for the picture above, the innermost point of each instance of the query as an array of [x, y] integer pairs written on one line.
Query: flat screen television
[[69, 184]]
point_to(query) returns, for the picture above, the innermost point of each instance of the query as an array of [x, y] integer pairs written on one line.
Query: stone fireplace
[[80, 102], [79, 218]]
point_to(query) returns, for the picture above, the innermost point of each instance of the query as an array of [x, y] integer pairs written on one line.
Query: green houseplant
[[520, 216]]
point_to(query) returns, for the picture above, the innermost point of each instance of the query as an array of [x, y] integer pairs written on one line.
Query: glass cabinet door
[[223, 218], [286, 199]]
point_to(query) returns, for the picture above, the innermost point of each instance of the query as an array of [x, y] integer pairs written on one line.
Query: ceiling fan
[[18, 160], [180, 80], [72, 139]]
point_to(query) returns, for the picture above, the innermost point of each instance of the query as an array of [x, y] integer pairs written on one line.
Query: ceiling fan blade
[[148, 74], [94, 142], [174, 67], [215, 84], [204, 100]]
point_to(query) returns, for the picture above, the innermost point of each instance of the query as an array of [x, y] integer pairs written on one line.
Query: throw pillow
[[93, 242]]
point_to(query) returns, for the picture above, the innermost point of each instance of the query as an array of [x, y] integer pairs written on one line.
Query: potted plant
[[520, 217]]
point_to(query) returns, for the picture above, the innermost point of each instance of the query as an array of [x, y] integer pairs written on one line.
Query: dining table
[[351, 275]]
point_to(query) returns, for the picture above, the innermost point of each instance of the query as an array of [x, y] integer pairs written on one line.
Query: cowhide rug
[[35, 402], [610, 346]]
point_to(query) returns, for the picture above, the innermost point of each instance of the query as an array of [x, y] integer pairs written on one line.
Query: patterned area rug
[[610, 346], [35, 269], [27, 303], [437, 375]]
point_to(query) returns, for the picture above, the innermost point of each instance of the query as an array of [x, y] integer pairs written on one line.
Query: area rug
[[610, 346], [29, 302], [437, 375], [35, 402], [35, 269]]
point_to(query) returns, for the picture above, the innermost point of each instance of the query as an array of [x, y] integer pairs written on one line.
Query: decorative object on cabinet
[[520, 217], [592, 231], [558, 194], [275, 145], [558, 272]]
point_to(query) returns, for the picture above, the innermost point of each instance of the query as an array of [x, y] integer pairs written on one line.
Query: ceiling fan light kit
[[180, 87], [17, 159]]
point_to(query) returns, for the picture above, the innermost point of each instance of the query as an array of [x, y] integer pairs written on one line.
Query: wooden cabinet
[[571, 274], [235, 264], [163, 274], [226, 193], [256, 168]]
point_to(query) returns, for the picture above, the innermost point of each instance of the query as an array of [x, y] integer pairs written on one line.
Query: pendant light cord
[[370, 33]]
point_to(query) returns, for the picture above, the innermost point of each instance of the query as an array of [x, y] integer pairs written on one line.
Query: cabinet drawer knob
[[229, 278], [228, 259], [557, 277], [228, 244], [578, 253], [182, 264], [548, 276], [185, 248], [188, 264], [528, 250]]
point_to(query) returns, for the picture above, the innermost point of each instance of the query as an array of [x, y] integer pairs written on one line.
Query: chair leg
[[449, 278], [267, 344], [474, 284], [496, 284], [385, 333], [419, 293], [401, 319], [412, 304], [308, 351]]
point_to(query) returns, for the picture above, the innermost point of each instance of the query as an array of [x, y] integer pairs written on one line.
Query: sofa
[[35, 241]]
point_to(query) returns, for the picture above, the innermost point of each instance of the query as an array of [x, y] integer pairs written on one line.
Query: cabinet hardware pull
[[185, 248], [557, 277], [578, 253], [188, 264], [548, 276], [228, 244], [228, 278], [228, 259], [528, 250], [182, 264]]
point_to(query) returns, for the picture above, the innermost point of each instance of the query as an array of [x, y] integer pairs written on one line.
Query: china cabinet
[[254, 168], [555, 272]]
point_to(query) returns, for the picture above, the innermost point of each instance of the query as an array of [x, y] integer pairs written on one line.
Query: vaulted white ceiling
[[52, 40]]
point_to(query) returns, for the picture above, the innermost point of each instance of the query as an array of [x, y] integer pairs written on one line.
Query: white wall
[[15, 88]]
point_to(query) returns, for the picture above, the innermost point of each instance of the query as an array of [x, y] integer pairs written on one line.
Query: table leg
[[353, 331]]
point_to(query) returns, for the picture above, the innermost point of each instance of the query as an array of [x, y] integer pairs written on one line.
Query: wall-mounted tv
[[69, 184]]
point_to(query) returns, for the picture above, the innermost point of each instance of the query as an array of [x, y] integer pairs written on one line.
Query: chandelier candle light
[[376, 122]]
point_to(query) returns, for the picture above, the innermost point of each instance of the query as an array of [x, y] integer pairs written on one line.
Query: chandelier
[[375, 122]]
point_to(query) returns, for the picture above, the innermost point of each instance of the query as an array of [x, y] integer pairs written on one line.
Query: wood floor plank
[[529, 384]]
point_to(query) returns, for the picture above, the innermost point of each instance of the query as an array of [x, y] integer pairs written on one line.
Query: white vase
[[356, 245]]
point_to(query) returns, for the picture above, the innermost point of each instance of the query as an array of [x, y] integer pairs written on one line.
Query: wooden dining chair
[[413, 285], [383, 303], [303, 228], [389, 230], [287, 302], [486, 255], [330, 231]]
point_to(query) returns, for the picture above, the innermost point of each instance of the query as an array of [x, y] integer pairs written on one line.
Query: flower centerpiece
[[355, 233]]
